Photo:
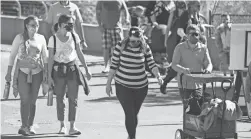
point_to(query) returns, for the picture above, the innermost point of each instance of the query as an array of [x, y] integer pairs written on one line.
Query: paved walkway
[[101, 117]]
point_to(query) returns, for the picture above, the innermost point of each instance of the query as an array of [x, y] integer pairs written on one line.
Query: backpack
[[54, 37]]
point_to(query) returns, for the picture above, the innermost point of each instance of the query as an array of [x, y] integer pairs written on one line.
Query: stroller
[[192, 123]]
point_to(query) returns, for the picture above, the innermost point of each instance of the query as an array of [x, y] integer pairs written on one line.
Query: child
[[34, 63], [139, 19], [136, 13]]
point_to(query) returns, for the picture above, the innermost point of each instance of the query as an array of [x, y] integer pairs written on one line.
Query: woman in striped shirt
[[128, 67]]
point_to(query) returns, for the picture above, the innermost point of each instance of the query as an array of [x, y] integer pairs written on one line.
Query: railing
[[37, 8], [215, 20], [24, 8], [11, 8]]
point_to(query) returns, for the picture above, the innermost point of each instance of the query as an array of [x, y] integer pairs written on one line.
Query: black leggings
[[131, 101]]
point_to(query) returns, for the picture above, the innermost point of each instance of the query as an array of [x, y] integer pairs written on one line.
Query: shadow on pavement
[[161, 124], [45, 136], [99, 74], [244, 137], [150, 101], [16, 99], [91, 64], [244, 119]]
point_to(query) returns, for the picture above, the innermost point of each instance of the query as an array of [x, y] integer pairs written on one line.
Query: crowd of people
[[171, 27]]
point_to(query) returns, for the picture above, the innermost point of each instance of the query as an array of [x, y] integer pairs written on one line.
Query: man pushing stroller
[[191, 56]]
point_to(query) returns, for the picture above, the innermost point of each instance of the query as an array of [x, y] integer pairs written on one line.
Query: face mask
[[64, 2], [134, 43], [69, 27], [31, 30], [193, 40]]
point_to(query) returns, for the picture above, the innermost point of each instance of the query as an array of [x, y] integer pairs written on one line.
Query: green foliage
[[87, 10], [234, 7]]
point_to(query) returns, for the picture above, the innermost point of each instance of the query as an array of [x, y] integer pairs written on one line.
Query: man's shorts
[[224, 62], [111, 37]]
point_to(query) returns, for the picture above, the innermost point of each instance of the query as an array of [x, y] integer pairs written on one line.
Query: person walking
[[131, 81], [159, 12], [63, 69], [69, 8], [190, 16], [191, 56], [223, 37], [108, 14], [31, 69]]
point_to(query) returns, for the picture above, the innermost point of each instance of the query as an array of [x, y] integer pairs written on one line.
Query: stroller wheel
[[179, 134]]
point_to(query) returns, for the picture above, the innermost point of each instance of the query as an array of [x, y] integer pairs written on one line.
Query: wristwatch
[[82, 41]]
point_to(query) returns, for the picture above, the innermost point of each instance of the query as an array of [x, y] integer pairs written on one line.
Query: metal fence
[[216, 20], [36, 8], [24, 8], [11, 8]]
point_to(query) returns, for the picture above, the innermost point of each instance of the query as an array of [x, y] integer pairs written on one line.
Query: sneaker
[[106, 70], [163, 89], [62, 130], [74, 131], [32, 130], [24, 131]]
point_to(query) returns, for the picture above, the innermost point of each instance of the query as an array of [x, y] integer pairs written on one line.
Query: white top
[[65, 51], [36, 49]]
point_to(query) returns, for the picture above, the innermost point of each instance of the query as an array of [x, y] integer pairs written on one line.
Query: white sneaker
[[62, 130], [106, 70], [32, 130], [74, 131]]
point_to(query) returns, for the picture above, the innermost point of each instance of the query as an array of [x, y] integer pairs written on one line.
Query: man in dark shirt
[[158, 12]]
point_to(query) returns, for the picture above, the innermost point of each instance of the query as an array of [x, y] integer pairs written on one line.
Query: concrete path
[[101, 117]]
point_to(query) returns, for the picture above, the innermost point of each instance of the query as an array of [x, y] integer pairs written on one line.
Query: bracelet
[[82, 41]]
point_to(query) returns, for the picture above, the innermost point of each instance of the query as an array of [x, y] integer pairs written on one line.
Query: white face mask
[[31, 30]]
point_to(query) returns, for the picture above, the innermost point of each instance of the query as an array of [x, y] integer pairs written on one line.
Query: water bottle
[[6, 90], [15, 92], [50, 97], [45, 88]]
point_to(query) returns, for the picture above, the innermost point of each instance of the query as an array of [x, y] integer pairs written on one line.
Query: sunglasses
[[197, 6], [69, 24], [33, 25], [194, 34], [135, 41]]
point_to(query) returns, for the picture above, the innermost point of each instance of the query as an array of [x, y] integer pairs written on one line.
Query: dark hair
[[25, 33], [192, 2], [64, 19], [189, 8], [55, 27], [225, 15], [192, 27], [180, 4], [135, 31]]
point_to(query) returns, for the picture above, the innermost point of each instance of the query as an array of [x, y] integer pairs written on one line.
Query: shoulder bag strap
[[74, 39], [54, 38]]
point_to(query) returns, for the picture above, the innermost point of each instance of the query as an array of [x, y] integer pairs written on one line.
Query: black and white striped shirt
[[130, 66]]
